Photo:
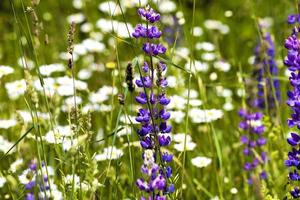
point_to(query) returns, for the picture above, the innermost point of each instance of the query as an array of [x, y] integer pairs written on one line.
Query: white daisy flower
[[172, 81], [201, 162], [213, 76], [241, 92], [5, 70], [177, 116], [76, 18], [166, 6], [110, 7], [134, 3], [197, 31], [222, 66], [2, 181], [233, 190], [228, 106], [15, 89], [177, 102], [190, 146], [197, 66], [78, 4], [224, 29], [216, 25], [204, 116], [93, 45], [47, 70], [65, 85], [79, 49], [24, 178], [7, 123], [179, 137], [193, 93], [22, 61], [109, 153], [183, 52], [120, 28], [84, 74], [58, 135], [179, 142], [228, 13], [105, 108], [208, 56], [15, 165], [86, 27], [206, 46]]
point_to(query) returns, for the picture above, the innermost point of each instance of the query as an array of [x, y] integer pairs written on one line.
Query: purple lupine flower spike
[[292, 59], [265, 65], [253, 142], [154, 130]]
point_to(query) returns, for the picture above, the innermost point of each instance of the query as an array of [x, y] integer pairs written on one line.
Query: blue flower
[[154, 129], [253, 142], [292, 61]]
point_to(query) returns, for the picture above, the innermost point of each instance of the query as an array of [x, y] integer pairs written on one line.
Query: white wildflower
[[193, 93], [7, 123], [5, 70], [86, 27], [79, 49], [109, 153], [84, 74], [233, 190], [228, 106], [93, 45], [134, 3], [190, 146], [166, 6], [15, 165], [172, 81], [179, 142], [206, 46], [216, 25], [120, 28], [177, 102], [58, 135], [76, 18], [179, 137], [197, 31], [213, 76], [110, 7], [208, 56], [15, 89], [183, 52], [228, 13], [5, 145], [77, 4], [47, 70], [222, 66], [25, 63], [197, 66], [201, 162], [195, 102], [203, 116], [2, 181], [177, 116]]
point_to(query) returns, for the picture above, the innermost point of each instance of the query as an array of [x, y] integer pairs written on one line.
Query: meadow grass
[[75, 119]]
